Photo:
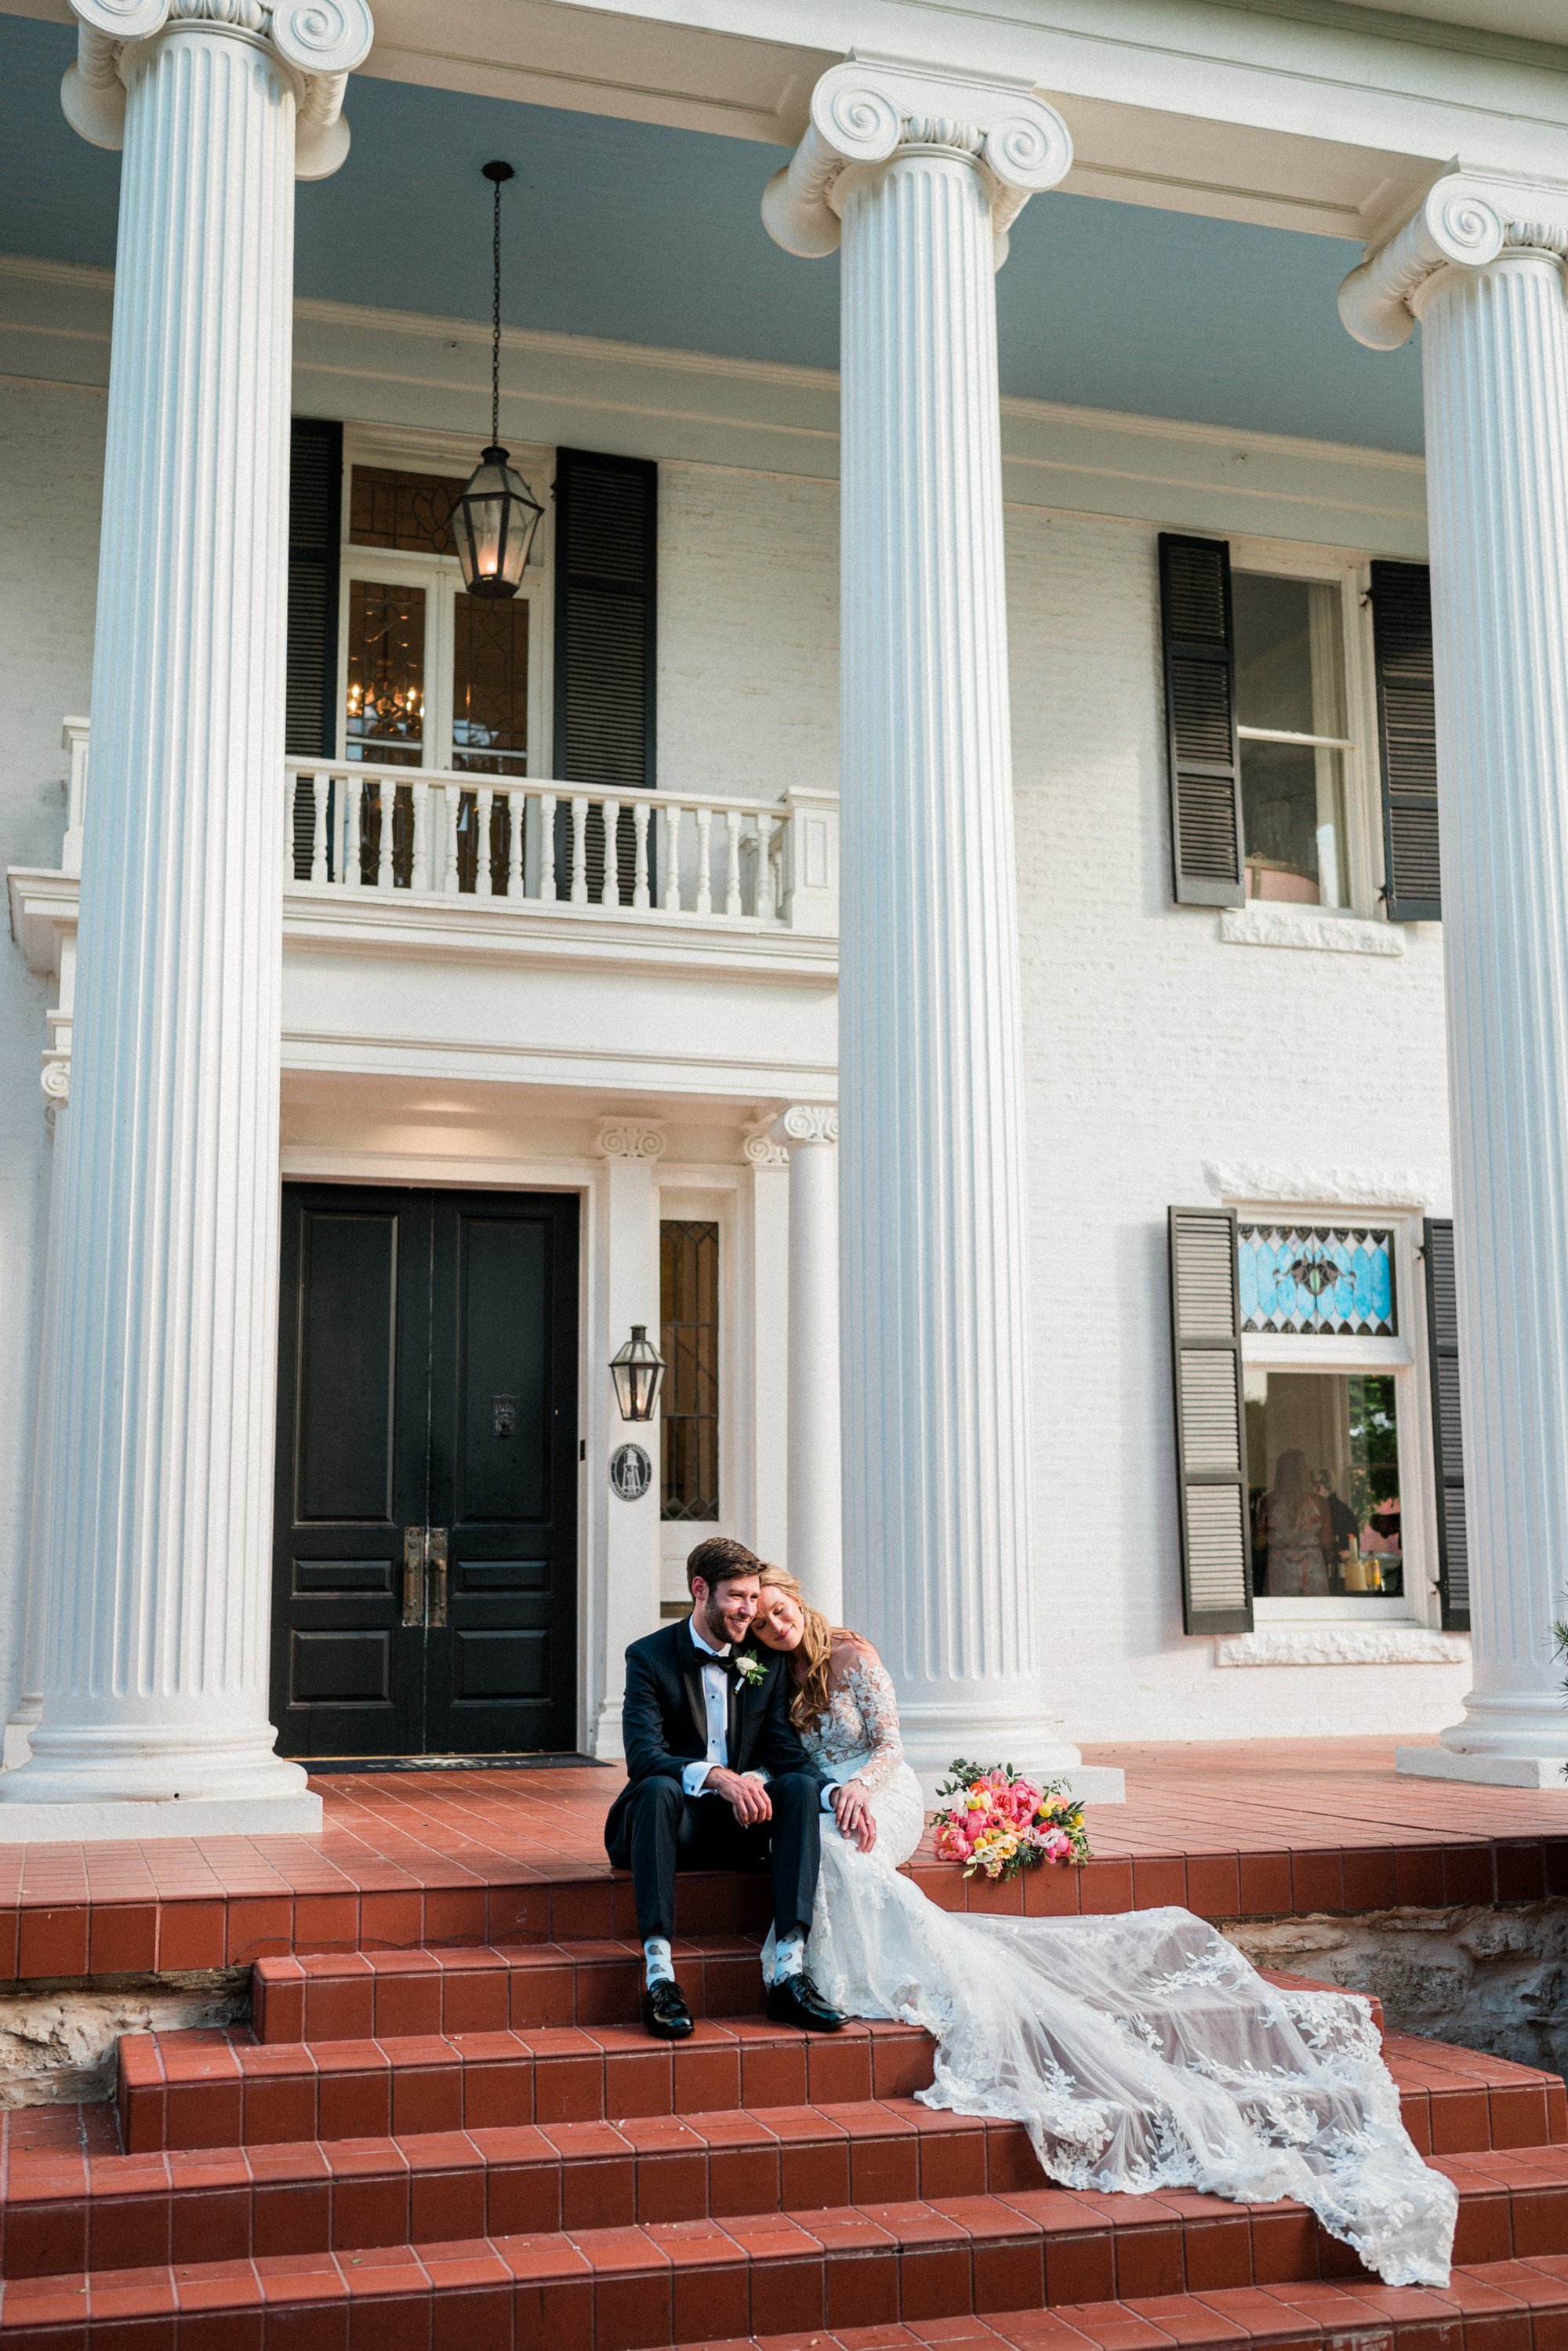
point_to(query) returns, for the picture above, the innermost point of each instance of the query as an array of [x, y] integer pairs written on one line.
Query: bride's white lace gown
[[1141, 2051]]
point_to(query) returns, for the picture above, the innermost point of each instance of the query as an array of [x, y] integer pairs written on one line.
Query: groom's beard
[[712, 1627]]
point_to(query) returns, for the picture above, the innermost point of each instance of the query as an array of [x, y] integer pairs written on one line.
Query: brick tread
[[862, 2278], [484, 1988]]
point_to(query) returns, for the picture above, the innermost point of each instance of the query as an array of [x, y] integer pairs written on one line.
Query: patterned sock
[[658, 1966], [788, 1956]]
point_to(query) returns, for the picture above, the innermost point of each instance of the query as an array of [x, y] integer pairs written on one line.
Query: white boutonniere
[[749, 1668]]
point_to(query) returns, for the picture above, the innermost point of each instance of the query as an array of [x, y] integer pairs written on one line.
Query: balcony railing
[[536, 843]]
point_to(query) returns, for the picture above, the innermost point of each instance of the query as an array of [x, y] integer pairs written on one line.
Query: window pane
[[386, 672], [1290, 677], [688, 1341], [1333, 1281], [387, 509], [490, 687], [1292, 822], [1322, 1465]]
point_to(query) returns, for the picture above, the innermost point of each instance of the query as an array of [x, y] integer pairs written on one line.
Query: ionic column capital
[[806, 1122], [1464, 221], [318, 43], [865, 112]]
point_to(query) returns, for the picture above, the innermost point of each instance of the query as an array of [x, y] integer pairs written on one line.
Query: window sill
[[1329, 1644], [1319, 927]]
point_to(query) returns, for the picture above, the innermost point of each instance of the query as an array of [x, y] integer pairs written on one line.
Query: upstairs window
[[1290, 726]]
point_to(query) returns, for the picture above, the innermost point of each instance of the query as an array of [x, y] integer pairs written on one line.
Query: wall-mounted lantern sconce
[[637, 1372]]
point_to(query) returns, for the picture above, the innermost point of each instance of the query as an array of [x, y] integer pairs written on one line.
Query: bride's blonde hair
[[810, 1702]]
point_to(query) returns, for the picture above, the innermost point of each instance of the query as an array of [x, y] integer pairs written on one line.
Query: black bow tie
[[727, 1664]]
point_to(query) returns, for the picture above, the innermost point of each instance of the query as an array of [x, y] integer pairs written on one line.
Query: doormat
[[336, 1765]]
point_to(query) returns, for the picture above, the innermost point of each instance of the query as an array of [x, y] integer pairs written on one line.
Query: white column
[[628, 1287], [1480, 266], [810, 1132], [764, 1324], [154, 1714], [28, 1709], [921, 177]]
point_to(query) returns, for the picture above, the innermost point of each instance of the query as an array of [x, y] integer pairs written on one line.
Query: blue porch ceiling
[[649, 236]]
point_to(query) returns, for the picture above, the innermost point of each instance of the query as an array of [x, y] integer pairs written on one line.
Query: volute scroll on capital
[[869, 109], [1464, 221], [318, 43]]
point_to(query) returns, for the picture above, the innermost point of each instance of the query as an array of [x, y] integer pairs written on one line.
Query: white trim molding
[[1244, 1182], [1257, 925], [1343, 1644]]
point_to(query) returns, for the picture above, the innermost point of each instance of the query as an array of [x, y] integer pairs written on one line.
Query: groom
[[717, 1779]]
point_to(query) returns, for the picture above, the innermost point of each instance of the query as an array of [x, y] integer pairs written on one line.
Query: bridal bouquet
[[998, 1822]]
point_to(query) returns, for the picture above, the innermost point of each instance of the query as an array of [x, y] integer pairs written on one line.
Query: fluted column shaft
[[1480, 266], [810, 1132], [160, 1522], [1495, 372]]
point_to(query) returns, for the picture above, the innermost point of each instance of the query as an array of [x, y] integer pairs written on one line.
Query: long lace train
[[1140, 2051]]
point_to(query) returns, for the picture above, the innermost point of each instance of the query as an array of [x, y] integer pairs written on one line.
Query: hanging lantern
[[495, 519], [637, 1372]]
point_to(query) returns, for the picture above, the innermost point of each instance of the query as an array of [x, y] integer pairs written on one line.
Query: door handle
[[435, 1565], [413, 1542]]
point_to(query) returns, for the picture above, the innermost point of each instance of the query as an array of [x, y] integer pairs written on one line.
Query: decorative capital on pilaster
[[318, 43], [762, 1146], [805, 1123], [630, 1138], [56, 1081], [871, 109], [1463, 222]]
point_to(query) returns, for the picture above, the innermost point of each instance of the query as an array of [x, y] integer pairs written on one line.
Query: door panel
[[502, 1461], [427, 1378], [353, 1379]]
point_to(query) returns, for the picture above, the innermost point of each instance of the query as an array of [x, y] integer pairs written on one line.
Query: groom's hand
[[852, 1809], [748, 1798]]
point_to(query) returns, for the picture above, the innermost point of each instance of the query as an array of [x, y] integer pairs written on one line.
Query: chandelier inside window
[[495, 519]]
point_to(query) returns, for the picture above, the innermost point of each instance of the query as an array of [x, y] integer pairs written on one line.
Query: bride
[[1140, 2051]]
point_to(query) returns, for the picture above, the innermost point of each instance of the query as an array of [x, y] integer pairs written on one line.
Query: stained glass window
[[1321, 1282], [413, 511]]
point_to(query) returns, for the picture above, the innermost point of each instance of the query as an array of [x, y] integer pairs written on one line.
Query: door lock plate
[[435, 1575], [413, 1576]]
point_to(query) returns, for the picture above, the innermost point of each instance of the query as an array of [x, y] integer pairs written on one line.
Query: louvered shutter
[[1407, 737], [315, 530], [1447, 1432], [606, 539], [1210, 1427], [1201, 748]]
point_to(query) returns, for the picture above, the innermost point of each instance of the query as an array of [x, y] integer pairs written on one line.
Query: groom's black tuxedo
[[654, 1828]]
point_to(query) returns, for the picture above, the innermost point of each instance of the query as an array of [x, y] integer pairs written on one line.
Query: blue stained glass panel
[[1328, 1282]]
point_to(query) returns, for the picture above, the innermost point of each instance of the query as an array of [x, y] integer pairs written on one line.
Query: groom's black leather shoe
[[665, 2011], [798, 2001]]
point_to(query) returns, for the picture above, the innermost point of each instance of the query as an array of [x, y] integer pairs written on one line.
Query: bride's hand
[[852, 1809]]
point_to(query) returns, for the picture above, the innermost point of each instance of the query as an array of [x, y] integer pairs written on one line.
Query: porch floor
[[1231, 1830]]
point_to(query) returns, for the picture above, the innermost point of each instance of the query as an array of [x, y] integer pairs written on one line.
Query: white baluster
[[670, 843], [580, 850], [320, 788], [517, 820], [451, 817], [352, 874], [765, 868], [639, 812], [419, 870], [484, 804], [610, 888], [705, 860], [732, 879], [546, 847], [386, 801]]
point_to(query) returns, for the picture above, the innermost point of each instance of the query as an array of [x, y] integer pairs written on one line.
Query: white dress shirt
[[715, 1701]]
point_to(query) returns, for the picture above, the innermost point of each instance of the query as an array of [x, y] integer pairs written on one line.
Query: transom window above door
[[430, 678]]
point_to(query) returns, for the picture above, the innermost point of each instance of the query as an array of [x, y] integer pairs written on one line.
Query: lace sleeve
[[867, 1682]]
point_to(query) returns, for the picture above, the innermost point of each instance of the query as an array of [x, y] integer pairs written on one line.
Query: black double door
[[425, 1567]]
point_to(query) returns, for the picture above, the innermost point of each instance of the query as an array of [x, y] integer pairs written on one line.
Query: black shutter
[[606, 546], [315, 531], [1447, 1432], [1203, 759], [1407, 738], [1211, 1424]]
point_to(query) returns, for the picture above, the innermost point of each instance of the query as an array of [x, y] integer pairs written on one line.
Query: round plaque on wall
[[631, 1472]]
